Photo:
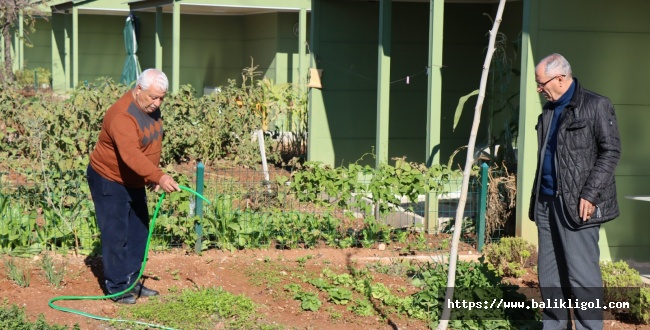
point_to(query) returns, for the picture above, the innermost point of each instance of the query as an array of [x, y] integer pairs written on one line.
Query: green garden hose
[[144, 263]]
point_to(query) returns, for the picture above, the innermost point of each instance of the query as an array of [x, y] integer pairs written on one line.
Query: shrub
[[624, 284], [510, 256], [475, 282], [619, 274]]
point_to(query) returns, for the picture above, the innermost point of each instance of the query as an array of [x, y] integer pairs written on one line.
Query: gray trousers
[[568, 268]]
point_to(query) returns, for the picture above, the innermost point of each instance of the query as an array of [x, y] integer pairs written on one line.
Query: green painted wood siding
[[345, 117], [214, 49]]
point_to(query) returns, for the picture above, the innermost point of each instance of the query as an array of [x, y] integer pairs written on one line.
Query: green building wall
[[214, 49], [344, 110], [101, 47], [39, 55], [211, 48]]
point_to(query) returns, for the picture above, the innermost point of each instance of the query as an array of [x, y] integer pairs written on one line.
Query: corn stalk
[[451, 277]]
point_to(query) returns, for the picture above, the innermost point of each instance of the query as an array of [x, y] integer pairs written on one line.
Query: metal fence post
[[482, 205], [198, 207]]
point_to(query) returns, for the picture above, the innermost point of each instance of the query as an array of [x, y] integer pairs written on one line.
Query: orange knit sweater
[[129, 145]]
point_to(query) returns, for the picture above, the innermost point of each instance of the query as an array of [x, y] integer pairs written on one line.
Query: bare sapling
[[451, 277]]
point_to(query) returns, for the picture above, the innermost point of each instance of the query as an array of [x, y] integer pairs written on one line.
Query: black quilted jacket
[[588, 150]]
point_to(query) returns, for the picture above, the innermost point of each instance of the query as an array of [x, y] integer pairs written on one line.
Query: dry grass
[[502, 199]]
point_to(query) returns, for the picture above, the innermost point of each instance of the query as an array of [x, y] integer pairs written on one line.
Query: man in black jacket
[[573, 193]]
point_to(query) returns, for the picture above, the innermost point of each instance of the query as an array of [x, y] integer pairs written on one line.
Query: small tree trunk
[[7, 64], [451, 279]]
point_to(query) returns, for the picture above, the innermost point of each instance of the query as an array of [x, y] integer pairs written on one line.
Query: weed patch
[[199, 309]]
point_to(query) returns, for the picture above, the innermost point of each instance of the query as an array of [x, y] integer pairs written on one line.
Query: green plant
[[338, 279], [14, 317], [362, 308], [346, 242], [54, 274], [373, 231], [339, 296], [176, 223], [334, 315], [619, 275], [641, 306], [474, 282], [233, 116], [19, 273], [303, 260], [268, 274], [444, 244], [198, 309], [346, 186], [501, 103], [51, 147], [622, 283], [175, 273], [397, 267], [308, 301], [16, 222], [321, 284], [509, 256], [293, 288]]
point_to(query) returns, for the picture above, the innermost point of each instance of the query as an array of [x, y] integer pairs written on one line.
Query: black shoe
[[140, 290], [126, 298]]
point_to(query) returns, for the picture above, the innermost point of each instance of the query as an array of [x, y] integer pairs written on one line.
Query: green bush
[[63, 132], [620, 284], [510, 256], [619, 274], [475, 282]]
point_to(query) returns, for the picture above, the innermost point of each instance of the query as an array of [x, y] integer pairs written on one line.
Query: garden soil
[[234, 271], [237, 272]]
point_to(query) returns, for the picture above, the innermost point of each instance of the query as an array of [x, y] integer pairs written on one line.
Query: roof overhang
[[225, 7], [90, 7], [200, 7]]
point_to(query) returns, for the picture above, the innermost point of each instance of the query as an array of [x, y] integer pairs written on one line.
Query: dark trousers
[[568, 267], [123, 221]]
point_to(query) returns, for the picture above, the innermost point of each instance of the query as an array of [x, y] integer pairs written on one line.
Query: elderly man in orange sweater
[[125, 161]]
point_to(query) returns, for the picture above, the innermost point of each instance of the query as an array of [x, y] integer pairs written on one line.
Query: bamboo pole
[[451, 278]]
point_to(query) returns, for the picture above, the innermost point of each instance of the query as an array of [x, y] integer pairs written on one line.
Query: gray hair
[[153, 77], [556, 64]]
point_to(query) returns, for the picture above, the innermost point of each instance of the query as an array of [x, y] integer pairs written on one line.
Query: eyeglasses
[[541, 85]]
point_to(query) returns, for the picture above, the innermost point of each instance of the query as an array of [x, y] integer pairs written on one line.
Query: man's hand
[[168, 184], [586, 209]]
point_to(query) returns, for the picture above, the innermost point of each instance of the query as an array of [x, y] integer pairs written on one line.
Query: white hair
[[153, 77], [556, 64]]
